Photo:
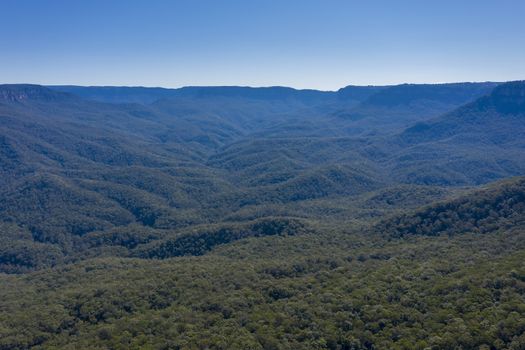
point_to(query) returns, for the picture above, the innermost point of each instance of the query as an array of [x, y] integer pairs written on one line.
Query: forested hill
[[325, 289], [473, 144], [492, 116], [76, 173], [262, 218], [396, 107], [498, 207]]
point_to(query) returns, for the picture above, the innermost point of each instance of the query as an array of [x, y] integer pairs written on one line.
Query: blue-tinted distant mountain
[[115, 94], [499, 114], [351, 110], [407, 94], [262, 93], [375, 95], [396, 107], [475, 143], [359, 93]]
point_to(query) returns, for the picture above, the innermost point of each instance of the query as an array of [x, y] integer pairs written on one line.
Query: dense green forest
[[322, 289], [378, 217]]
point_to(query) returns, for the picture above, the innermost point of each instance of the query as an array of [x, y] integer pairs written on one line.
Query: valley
[[372, 217]]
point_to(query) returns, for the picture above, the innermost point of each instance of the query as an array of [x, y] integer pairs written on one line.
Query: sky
[[319, 44]]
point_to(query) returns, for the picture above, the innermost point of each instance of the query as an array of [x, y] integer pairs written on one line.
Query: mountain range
[[74, 165], [283, 197]]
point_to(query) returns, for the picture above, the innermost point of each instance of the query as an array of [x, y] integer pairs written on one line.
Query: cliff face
[[20, 93], [509, 97]]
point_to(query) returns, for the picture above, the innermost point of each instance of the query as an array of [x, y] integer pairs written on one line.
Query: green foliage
[[238, 218], [203, 239], [499, 207], [326, 291]]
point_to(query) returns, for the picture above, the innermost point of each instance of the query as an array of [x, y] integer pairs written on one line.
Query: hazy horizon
[[252, 86]]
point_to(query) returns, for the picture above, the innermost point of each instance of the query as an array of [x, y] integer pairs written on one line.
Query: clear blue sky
[[324, 44]]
